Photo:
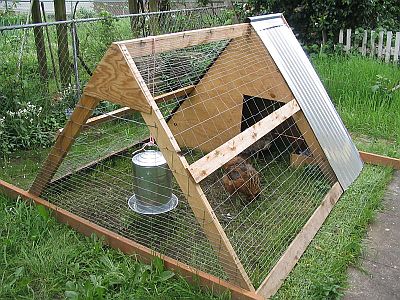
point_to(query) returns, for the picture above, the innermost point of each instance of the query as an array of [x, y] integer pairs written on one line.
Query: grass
[[350, 81], [322, 271], [42, 259]]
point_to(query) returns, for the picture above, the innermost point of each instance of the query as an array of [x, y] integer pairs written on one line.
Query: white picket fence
[[375, 44]]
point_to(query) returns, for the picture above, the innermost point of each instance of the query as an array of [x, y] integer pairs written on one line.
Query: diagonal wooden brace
[[224, 153], [195, 196]]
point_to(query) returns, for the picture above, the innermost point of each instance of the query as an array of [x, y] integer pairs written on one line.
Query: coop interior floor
[[259, 232]]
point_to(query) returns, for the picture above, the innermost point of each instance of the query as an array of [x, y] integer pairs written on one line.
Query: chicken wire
[[262, 200]]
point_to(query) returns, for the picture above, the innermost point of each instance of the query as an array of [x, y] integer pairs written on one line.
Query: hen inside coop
[[253, 171]]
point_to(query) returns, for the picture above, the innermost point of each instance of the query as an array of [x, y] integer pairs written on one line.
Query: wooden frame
[[166, 141], [117, 79]]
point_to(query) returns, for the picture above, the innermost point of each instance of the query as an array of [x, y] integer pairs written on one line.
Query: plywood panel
[[212, 114], [113, 80]]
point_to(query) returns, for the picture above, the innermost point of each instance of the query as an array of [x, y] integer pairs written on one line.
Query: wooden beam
[[167, 42], [289, 259], [116, 241], [380, 160], [64, 141], [224, 153], [109, 116], [105, 117], [195, 196], [127, 110], [185, 91]]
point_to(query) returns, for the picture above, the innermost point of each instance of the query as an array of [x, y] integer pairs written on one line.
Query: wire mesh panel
[[264, 195], [94, 38]]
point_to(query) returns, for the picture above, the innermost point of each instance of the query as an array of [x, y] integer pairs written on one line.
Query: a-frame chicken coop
[[257, 151]]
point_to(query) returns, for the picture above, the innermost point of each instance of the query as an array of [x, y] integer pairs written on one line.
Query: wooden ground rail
[[297, 160], [380, 160]]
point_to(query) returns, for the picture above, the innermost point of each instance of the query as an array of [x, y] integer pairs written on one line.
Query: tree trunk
[[133, 6], [62, 40], [153, 7], [39, 41]]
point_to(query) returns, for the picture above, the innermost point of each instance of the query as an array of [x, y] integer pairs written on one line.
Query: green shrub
[[27, 127]]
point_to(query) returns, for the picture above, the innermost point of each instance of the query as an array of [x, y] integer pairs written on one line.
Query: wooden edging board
[[269, 286], [289, 259], [116, 241], [380, 160]]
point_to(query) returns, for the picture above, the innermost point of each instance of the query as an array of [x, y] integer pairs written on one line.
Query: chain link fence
[[89, 8], [45, 66]]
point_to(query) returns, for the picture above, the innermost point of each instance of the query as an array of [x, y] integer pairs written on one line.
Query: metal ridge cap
[[264, 17]]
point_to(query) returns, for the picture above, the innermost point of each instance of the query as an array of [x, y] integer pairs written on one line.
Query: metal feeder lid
[[149, 158]]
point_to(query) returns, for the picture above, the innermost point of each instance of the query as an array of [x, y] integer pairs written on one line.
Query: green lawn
[[42, 259]]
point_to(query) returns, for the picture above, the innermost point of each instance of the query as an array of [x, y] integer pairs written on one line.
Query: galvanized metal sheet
[[311, 95]]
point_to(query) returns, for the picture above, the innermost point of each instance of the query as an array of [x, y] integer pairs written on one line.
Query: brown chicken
[[241, 177]]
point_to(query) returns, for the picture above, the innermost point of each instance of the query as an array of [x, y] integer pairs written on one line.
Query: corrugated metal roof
[[311, 95]]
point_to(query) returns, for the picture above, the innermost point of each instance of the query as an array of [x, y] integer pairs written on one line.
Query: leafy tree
[[315, 20]]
